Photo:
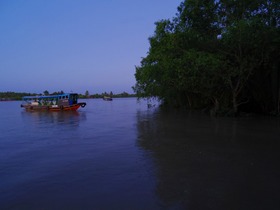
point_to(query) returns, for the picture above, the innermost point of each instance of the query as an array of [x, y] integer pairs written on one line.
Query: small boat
[[62, 102], [107, 98]]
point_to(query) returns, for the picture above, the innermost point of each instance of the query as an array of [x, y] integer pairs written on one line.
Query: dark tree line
[[110, 94], [216, 54], [18, 95], [5, 96]]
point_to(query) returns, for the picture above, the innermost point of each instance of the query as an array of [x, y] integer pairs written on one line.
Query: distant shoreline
[[17, 96]]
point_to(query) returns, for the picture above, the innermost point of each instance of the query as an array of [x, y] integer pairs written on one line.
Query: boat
[[107, 98], [61, 102]]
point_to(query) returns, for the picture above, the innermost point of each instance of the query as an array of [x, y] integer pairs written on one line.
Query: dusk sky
[[76, 45]]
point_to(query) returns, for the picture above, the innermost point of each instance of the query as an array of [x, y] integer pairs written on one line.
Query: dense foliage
[[218, 54]]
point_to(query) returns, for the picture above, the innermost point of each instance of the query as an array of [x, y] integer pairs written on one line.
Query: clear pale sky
[[76, 45]]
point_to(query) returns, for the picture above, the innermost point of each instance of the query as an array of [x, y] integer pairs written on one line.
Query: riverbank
[[16, 96]]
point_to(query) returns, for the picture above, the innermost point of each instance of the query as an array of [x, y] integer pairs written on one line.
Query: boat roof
[[47, 97]]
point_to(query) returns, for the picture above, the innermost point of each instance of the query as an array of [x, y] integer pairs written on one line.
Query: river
[[121, 154]]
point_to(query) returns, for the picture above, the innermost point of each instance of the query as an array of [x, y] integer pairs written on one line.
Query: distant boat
[[62, 102], [107, 98]]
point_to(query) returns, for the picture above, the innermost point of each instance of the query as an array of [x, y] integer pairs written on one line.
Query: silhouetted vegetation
[[111, 94], [220, 55], [8, 96]]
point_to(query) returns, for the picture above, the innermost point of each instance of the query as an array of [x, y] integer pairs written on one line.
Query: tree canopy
[[221, 54]]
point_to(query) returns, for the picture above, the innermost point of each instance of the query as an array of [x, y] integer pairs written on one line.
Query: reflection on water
[[123, 155], [212, 163], [83, 160], [71, 117]]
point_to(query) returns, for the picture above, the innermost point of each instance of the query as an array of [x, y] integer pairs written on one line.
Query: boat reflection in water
[[53, 118], [212, 163], [107, 98]]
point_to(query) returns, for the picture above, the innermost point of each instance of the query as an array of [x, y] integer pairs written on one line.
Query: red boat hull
[[54, 108], [65, 108]]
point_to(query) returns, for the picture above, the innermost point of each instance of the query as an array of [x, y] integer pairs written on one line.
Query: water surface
[[122, 155]]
